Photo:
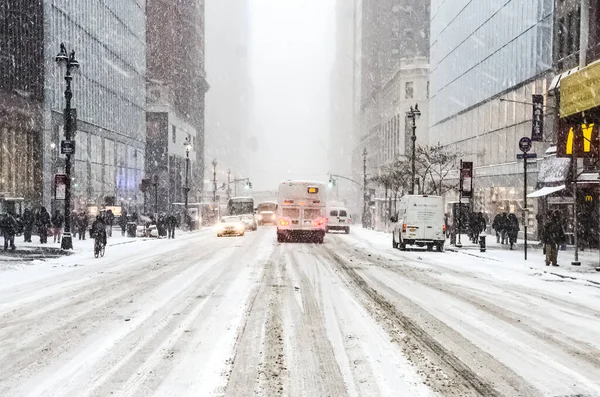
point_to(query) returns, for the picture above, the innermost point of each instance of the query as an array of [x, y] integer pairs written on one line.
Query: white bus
[[301, 211], [240, 206]]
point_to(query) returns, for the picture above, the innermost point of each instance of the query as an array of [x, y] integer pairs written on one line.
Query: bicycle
[[99, 246]]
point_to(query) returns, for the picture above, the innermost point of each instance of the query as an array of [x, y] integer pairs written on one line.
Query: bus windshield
[[240, 206]]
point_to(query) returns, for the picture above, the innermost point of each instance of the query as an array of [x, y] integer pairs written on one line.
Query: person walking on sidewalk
[[82, 224], [109, 219], [552, 236], [9, 230], [171, 223], [504, 228], [43, 224], [28, 221], [57, 224], [123, 222], [513, 229], [497, 226]]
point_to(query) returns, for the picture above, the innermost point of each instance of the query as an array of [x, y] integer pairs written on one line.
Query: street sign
[[537, 120], [67, 147], [525, 144], [521, 156]]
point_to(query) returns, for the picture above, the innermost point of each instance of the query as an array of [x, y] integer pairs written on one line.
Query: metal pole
[[414, 140], [187, 170], [214, 163], [365, 188], [228, 184], [575, 239], [155, 198], [458, 243], [525, 217], [584, 28], [67, 241]]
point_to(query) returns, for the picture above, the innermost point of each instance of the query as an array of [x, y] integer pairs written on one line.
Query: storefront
[[578, 138]]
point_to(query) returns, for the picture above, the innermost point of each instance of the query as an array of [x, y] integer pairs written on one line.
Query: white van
[[338, 219], [420, 222]]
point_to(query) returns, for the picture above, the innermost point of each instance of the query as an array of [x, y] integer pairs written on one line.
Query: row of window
[[487, 48]]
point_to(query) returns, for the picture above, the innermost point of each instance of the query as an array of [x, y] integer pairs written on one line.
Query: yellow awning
[[580, 91]]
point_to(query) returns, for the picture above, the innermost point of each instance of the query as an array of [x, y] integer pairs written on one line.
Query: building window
[[408, 90], [174, 134]]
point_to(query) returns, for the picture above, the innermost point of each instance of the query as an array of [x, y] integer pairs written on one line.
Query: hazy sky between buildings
[[291, 53]]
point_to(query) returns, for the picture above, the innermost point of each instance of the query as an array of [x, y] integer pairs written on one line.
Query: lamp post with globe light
[[68, 146]]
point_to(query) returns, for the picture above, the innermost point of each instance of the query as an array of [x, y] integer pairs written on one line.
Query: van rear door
[[425, 218]]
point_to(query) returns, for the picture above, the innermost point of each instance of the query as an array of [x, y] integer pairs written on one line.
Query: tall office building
[[342, 91], [108, 92], [21, 99], [487, 59], [176, 86], [230, 99]]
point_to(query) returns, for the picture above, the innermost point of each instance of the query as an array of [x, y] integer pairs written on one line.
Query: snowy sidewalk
[[34, 251], [535, 258]]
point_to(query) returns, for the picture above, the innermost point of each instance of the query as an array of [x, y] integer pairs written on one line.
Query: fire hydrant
[[482, 237]]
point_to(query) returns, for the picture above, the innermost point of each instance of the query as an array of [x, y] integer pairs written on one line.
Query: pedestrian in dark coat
[[109, 219], [171, 224], [43, 224], [28, 221], [57, 224], [482, 223], [553, 235], [513, 229], [504, 227], [123, 222], [82, 224], [497, 226], [9, 230]]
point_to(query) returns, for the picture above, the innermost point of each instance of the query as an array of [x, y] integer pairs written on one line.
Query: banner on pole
[[466, 179], [537, 120]]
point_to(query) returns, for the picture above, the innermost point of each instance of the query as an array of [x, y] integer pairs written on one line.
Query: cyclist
[[99, 230]]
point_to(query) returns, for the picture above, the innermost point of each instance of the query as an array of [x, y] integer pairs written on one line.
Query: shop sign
[[560, 200], [578, 91], [578, 139]]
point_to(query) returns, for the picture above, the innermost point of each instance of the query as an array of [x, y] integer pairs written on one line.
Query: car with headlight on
[[249, 222], [265, 213], [230, 226]]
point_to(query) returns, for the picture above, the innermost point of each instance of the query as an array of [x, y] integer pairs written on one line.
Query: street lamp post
[[214, 164], [155, 184], [413, 115], [364, 218], [186, 189], [70, 116]]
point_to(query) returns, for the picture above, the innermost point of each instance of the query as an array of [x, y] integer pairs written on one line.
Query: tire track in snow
[[142, 361], [463, 380], [314, 369], [258, 362]]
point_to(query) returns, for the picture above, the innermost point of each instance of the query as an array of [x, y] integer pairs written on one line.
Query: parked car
[[249, 222], [230, 226]]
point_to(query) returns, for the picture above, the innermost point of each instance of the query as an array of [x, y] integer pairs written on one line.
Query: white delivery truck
[[420, 222], [301, 211]]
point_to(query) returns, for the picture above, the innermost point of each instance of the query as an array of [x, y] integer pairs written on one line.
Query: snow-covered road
[[202, 316]]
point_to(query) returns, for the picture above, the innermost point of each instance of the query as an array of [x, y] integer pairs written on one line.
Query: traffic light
[[332, 182], [248, 185]]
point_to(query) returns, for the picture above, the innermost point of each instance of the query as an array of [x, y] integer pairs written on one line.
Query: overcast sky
[[291, 57]]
